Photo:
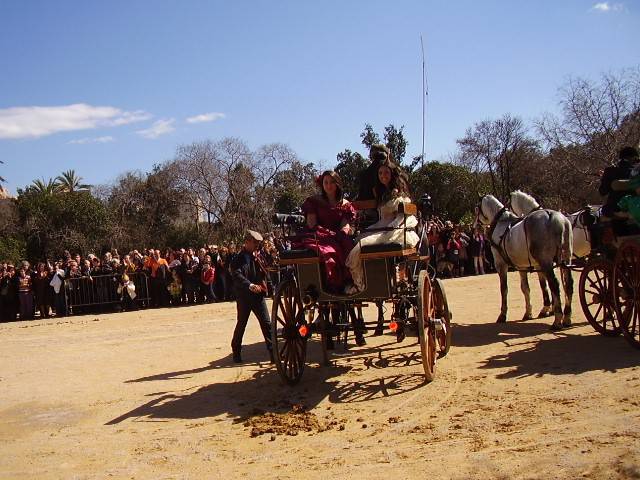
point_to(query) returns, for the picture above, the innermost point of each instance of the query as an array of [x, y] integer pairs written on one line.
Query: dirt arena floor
[[154, 394]]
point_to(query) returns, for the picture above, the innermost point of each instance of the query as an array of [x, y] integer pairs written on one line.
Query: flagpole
[[424, 97]]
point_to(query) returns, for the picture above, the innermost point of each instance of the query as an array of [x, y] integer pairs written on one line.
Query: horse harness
[[500, 245]]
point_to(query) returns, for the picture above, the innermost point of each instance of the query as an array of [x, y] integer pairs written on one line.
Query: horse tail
[[566, 253]]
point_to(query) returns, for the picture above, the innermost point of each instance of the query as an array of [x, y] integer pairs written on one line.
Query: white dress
[[389, 217]]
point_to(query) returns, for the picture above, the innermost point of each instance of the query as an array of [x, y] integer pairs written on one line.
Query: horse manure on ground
[[293, 422]]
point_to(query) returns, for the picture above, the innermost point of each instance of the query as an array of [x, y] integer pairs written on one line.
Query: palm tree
[[45, 187], [70, 182]]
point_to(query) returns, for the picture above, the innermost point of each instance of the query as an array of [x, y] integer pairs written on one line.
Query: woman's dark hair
[[397, 186], [336, 178]]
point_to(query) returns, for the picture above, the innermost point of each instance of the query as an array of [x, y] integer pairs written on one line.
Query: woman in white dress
[[390, 191]]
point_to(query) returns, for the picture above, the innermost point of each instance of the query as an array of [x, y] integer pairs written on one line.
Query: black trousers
[[245, 306]]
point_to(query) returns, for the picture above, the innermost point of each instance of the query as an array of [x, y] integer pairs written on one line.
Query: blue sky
[[120, 84]]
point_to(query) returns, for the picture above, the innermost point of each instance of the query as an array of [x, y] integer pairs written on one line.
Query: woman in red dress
[[329, 218]]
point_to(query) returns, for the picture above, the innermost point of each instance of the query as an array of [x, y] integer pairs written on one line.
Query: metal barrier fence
[[103, 290]]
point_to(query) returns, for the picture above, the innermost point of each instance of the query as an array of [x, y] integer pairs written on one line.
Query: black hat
[[253, 234], [379, 152]]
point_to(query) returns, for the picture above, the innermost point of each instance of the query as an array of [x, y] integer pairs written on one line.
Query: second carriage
[[609, 286], [394, 273]]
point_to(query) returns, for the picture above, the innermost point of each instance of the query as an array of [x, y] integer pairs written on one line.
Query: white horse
[[536, 242], [522, 204]]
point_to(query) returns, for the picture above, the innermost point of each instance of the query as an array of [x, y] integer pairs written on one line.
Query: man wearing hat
[[249, 287]]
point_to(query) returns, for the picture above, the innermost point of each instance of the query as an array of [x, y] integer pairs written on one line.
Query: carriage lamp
[[303, 330], [393, 326]]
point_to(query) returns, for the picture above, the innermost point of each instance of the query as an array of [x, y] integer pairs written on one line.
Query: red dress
[[333, 245]]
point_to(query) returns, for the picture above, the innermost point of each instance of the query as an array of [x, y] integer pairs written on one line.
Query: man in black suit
[[249, 287]]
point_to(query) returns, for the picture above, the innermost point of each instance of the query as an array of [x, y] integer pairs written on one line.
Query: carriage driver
[[249, 287], [628, 158]]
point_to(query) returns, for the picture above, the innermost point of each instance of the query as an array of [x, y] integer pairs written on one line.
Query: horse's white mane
[[490, 206], [522, 203]]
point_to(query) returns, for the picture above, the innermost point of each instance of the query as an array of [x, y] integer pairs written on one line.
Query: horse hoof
[[527, 316], [555, 327], [502, 319], [544, 313], [566, 323], [377, 332]]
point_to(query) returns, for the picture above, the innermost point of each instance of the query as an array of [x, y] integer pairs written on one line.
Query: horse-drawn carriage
[[303, 306], [609, 286], [609, 265]]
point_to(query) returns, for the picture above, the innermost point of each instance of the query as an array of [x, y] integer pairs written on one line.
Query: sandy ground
[[154, 394]]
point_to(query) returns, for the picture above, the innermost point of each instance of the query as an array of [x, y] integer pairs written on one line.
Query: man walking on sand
[[249, 288]]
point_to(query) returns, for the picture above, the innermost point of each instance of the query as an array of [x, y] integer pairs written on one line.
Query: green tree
[[146, 210], [350, 165], [453, 188], [74, 221], [45, 187], [394, 139], [369, 137], [70, 182], [293, 186]]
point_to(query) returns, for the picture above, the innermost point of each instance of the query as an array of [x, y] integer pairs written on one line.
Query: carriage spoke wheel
[[426, 327], [441, 307], [596, 297], [289, 347], [626, 291]]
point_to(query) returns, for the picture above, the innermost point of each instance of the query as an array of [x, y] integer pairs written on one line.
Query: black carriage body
[[379, 280]]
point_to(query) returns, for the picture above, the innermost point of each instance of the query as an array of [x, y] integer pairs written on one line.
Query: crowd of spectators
[[458, 250], [173, 277], [189, 276]]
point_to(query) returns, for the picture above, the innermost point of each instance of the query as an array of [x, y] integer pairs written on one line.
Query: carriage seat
[[298, 256], [381, 247], [383, 250]]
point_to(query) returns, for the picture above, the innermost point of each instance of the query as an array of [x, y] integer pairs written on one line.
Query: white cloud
[[83, 141], [159, 128], [607, 7], [35, 122], [206, 117]]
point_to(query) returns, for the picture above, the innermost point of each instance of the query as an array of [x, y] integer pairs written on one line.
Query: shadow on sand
[[264, 390], [565, 354], [476, 335]]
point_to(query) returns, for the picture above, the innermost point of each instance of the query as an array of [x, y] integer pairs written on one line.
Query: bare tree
[[596, 120], [499, 148], [232, 186]]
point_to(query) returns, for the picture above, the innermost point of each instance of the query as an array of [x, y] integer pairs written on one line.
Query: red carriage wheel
[[426, 327], [626, 291], [596, 297], [443, 336], [289, 346]]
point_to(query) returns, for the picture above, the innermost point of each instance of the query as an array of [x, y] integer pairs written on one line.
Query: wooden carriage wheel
[[289, 346], [626, 291], [426, 328], [596, 297], [443, 337]]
